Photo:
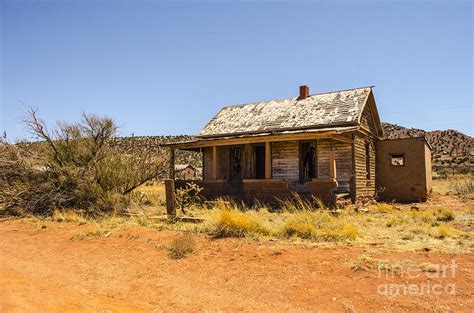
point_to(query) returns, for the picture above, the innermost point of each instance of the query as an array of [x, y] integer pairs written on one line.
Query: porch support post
[[214, 163], [171, 169], [170, 198], [332, 164], [268, 160]]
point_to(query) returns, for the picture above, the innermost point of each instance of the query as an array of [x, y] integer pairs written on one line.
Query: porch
[[274, 167]]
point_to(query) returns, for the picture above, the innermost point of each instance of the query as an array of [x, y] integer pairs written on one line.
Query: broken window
[[397, 159]]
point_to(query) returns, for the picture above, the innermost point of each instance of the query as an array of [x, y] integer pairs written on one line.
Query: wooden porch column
[[214, 163], [268, 160], [332, 164], [171, 172]]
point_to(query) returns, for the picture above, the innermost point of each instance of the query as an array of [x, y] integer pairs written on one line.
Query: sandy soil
[[44, 269]]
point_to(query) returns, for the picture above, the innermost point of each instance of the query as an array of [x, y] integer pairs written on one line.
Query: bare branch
[[38, 128]]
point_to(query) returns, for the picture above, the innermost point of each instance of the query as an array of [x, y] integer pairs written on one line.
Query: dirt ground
[[44, 266]]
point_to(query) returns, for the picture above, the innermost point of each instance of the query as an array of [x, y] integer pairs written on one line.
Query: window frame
[[392, 155]]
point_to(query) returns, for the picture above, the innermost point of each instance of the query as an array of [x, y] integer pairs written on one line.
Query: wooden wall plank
[[285, 161]]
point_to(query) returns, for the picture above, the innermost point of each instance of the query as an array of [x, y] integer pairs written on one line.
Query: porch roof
[[331, 132]]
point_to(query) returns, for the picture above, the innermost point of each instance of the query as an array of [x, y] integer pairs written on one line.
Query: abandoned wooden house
[[185, 171], [323, 145]]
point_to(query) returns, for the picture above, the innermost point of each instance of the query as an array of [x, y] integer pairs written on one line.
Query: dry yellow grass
[[233, 223], [440, 224]]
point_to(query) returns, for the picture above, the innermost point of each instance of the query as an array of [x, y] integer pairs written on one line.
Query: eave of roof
[[265, 136]]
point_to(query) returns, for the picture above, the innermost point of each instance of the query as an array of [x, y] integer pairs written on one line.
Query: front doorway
[[307, 161], [235, 172]]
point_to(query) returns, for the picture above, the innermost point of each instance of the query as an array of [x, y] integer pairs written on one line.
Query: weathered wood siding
[[367, 122], [364, 187], [285, 161], [343, 156], [223, 162], [247, 162]]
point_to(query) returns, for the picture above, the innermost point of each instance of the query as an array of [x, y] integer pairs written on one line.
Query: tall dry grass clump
[[310, 218], [70, 167], [320, 226], [233, 222], [300, 218]]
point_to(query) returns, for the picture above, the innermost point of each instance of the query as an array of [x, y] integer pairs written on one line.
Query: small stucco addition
[[404, 169]]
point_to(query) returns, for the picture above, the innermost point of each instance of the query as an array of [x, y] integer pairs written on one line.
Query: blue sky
[[168, 67]]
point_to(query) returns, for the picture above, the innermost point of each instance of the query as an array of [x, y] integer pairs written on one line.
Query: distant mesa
[[450, 148]]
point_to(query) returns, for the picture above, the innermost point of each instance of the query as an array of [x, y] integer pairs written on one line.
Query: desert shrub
[[181, 246], [187, 196], [71, 167], [443, 173], [464, 187], [443, 215]]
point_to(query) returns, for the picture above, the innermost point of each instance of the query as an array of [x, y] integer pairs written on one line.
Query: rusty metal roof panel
[[317, 111]]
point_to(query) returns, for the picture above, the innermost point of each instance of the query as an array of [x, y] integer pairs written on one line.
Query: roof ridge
[[323, 93], [281, 99]]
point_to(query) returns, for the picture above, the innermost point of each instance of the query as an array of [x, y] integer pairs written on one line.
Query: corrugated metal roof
[[340, 108]]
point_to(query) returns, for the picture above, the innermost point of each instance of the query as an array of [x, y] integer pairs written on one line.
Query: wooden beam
[[214, 163], [342, 138], [170, 198], [332, 163], [171, 169], [268, 160], [256, 139]]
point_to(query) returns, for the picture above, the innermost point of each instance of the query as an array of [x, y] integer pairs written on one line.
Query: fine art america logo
[[443, 276]]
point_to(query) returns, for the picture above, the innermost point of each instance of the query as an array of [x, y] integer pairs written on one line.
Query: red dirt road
[[44, 269]]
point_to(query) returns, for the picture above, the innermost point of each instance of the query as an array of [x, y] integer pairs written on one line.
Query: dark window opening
[[367, 160], [307, 161], [397, 159], [259, 162]]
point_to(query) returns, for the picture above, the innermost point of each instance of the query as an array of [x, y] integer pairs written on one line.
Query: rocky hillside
[[450, 147]]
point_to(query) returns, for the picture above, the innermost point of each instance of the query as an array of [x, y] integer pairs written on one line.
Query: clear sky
[[168, 67]]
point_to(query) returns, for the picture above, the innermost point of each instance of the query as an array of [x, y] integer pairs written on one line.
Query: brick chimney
[[304, 92]]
